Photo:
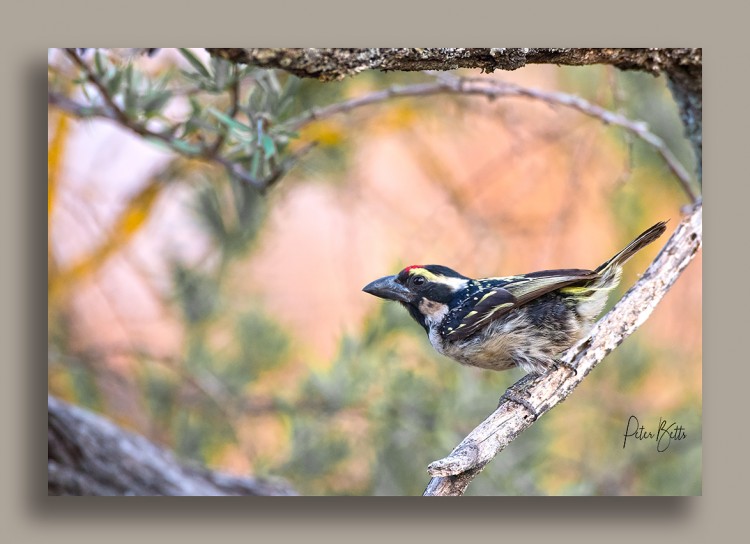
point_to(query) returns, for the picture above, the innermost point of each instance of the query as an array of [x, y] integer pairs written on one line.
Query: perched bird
[[524, 321]]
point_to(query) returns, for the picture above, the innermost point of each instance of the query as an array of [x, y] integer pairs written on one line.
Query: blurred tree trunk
[[89, 455]]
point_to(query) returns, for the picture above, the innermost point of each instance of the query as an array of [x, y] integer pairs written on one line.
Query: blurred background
[[230, 326]]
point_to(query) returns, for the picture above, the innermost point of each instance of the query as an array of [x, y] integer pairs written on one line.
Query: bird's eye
[[418, 280]]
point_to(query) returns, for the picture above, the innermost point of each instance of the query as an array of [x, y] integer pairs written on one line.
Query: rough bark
[[329, 64], [89, 455], [535, 395]]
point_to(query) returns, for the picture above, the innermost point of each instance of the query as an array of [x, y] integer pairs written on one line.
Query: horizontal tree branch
[[89, 455], [337, 63], [535, 395]]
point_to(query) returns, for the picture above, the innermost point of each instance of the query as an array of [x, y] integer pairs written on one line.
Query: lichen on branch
[[337, 63]]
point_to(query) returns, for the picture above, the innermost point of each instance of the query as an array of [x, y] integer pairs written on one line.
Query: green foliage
[[201, 430], [161, 394], [262, 346], [85, 387], [239, 116], [317, 450], [233, 216], [196, 293]]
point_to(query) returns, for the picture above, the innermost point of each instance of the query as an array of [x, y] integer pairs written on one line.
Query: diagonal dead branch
[[452, 475]]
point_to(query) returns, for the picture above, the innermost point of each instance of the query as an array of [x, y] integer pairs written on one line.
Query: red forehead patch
[[412, 267]]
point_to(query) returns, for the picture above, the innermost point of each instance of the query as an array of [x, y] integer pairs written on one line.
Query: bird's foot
[[513, 397], [570, 368]]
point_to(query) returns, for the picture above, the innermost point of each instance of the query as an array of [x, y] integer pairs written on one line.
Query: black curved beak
[[389, 289]]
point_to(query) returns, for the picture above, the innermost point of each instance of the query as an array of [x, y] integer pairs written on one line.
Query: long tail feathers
[[635, 246]]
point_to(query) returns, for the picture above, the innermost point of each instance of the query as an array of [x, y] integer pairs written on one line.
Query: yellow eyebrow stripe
[[423, 272]]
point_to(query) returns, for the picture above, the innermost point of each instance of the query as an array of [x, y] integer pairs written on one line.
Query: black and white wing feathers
[[491, 298]]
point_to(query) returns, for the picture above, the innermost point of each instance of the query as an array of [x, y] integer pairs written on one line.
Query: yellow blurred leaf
[[54, 166], [54, 160], [130, 221], [399, 115], [327, 133], [137, 211]]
